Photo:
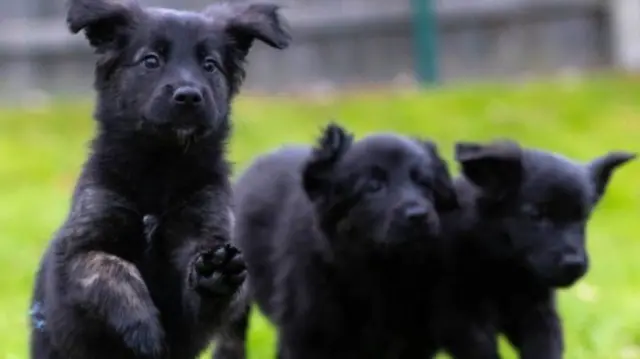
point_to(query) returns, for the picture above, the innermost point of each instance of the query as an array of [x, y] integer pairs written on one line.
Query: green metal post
[[425, 41]]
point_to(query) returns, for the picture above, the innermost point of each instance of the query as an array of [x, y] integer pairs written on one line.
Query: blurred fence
[[353, 42]]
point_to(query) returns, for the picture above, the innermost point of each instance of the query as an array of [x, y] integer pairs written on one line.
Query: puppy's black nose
[[573, 266], [187, 96], [416, 213]]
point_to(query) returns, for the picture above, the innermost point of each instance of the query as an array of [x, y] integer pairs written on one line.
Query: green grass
[[42, 149]]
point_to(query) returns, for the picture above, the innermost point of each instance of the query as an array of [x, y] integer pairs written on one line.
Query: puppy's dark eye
[[373, 185], [209, 65], [151, 61], [376, 180], [421, 180], [532, 212]]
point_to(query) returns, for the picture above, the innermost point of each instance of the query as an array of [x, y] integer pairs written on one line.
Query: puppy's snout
[[572, 263], [572, 267], [187, 96], [416, 213]]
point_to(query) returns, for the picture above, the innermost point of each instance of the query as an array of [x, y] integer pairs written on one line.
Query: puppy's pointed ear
[[248, 21], [495, 167], [244, 22], [601, 169], [318, 170], [105, 22], [446, 198]]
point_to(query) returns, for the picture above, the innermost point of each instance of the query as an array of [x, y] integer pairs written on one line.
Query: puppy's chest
[[163, 191], [390, 324], [159, 197], [389, 304], [160, 202]]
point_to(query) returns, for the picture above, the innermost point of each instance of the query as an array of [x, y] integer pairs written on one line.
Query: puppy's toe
[[220, 256], [204, 264], [238, 278], [236, 265]]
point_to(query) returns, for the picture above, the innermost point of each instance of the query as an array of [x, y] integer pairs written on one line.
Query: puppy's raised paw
[[220, 271]]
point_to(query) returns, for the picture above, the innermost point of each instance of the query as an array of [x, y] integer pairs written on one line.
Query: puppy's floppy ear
[[317, 171], [601, 169], [445, 195], [495, 167], [105, 22], [247, 21]]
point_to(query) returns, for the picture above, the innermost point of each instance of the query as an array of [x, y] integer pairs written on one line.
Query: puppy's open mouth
[[189, 135], [185, 134]]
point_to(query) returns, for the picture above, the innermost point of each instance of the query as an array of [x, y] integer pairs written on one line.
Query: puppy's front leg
[[232, 341], [101, 284], [303, 352], [112, 289], [537, 334], [473, 343], [213, 269]]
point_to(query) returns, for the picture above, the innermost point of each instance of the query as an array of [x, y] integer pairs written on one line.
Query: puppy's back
[[267, 184], [263, 197]]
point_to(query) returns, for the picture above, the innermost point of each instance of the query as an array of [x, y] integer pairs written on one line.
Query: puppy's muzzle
[[571, 267], [187, 98], [418, 217], [416, 214]]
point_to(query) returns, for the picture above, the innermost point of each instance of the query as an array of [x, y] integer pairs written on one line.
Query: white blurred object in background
[[626, 33]]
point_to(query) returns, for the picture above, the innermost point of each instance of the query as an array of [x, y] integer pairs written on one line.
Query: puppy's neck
[[144, 165]]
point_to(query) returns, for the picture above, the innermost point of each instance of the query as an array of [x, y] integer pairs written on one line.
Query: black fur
[[519, 237], [165, 80], [335, 246]]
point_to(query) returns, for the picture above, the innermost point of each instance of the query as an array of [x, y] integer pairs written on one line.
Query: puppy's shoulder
[[276, 167], [271, 182]]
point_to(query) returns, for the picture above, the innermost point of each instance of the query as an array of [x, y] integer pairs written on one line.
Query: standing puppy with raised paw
[[157, 170]]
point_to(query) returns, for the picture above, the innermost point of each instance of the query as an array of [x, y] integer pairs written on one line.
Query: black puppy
[[519, 236], [165, 80], [334, 242]]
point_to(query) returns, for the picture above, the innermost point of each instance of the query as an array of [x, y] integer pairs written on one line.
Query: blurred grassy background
[[43, 147]]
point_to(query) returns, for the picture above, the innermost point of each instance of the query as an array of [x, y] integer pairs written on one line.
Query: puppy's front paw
[[220, 271], [146, 339]]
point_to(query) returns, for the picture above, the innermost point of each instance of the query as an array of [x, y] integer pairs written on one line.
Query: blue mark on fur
[[37, 316]]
